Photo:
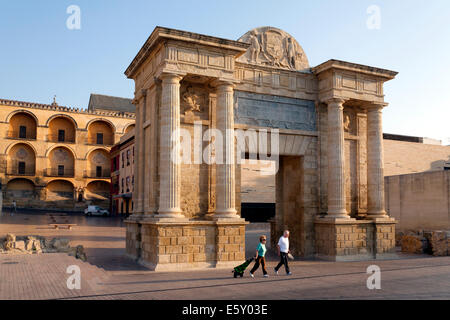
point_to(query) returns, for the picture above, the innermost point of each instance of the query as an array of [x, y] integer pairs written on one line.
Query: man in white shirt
[[283, 251]]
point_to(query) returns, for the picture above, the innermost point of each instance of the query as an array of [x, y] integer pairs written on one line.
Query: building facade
[[122, 175], [329, 149], [54, 157]]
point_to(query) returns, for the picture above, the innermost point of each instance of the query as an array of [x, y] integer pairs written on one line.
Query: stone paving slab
[[44, 277], [108, 274]]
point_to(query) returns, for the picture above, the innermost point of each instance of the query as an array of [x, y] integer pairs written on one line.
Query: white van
[[95, 211]]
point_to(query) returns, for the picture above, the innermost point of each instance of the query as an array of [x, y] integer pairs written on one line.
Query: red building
[[122, 175]]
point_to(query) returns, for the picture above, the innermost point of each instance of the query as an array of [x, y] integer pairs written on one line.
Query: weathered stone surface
[[414, 244], [439, 243], [37, 244], [20, 245], [60, 243]]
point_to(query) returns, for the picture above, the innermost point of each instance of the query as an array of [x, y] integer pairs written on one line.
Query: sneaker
[[289, 274], [276, 271], [251, 275], [266, 276]]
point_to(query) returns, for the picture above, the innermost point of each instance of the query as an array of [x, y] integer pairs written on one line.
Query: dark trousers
[[283, 260], [259, 261]]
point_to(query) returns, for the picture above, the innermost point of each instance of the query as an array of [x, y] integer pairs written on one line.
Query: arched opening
[[100, 133], [22, 125], [129, 128], [21, 160], [61, 129], [20, 190], [98, 192], [60, 163], [99, 164], [58, 190]]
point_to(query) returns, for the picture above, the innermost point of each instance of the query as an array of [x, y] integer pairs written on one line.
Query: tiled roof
[[109, 103]]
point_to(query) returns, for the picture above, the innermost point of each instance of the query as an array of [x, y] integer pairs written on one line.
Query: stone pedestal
[[353, 240], [171, 245]]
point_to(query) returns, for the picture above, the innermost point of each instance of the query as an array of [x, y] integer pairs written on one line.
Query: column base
[[377, 215], [226, 214], [173, 213], [166, 218], [337, 216]]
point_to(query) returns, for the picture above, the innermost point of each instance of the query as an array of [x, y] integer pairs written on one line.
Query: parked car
[[96, 211]]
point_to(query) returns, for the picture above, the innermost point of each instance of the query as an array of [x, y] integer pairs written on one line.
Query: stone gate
[[327, 124]]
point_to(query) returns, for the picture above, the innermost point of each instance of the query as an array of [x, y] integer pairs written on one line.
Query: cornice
[[33, 105]]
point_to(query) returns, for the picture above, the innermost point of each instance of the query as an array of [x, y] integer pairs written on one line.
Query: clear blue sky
[[40, 57]]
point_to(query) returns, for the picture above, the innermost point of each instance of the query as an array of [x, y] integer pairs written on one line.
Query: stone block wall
[[385, 239], [133, 239], [192, 244], [354, 240], [230, 243]]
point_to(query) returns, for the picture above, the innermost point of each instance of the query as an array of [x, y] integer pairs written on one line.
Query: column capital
[[174, 78], [375, 106], [336, 101], [223, 85]]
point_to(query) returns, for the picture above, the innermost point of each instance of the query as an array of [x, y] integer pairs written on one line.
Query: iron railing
[[57, 138], [17, 172], [106, 141], [103, 174], [12, 134], [56, 172]]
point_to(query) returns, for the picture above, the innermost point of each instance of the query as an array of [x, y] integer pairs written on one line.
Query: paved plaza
[[109, 275]]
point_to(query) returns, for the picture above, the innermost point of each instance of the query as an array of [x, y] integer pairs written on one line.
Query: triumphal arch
[[321, 125]]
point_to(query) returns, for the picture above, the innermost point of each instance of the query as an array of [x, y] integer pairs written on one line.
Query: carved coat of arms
[[273, 47]]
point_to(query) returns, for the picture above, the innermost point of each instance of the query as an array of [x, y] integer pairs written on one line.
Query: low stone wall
[[186, 245], [350, 240], [436, 243]]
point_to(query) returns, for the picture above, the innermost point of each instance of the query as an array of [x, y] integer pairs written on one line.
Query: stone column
[[225, 172], [169, 164], [375, 167], [336, 160], [140, 106]]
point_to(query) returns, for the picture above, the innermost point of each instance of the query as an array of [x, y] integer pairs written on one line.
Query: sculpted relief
[[194, 102], [191, 99], [273, 47]]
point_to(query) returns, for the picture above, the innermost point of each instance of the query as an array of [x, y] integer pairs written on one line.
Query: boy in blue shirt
[[260, 259]]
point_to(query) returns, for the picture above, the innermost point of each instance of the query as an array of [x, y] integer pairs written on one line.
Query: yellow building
[[58, 157]]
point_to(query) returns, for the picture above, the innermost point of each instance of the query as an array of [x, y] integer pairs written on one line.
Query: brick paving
[[109, 275]]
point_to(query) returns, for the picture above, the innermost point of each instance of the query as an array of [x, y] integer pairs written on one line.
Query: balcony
[[20, 172], [58, 172], [21, 135], [100, 174], [60, 139], [100, 142]]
